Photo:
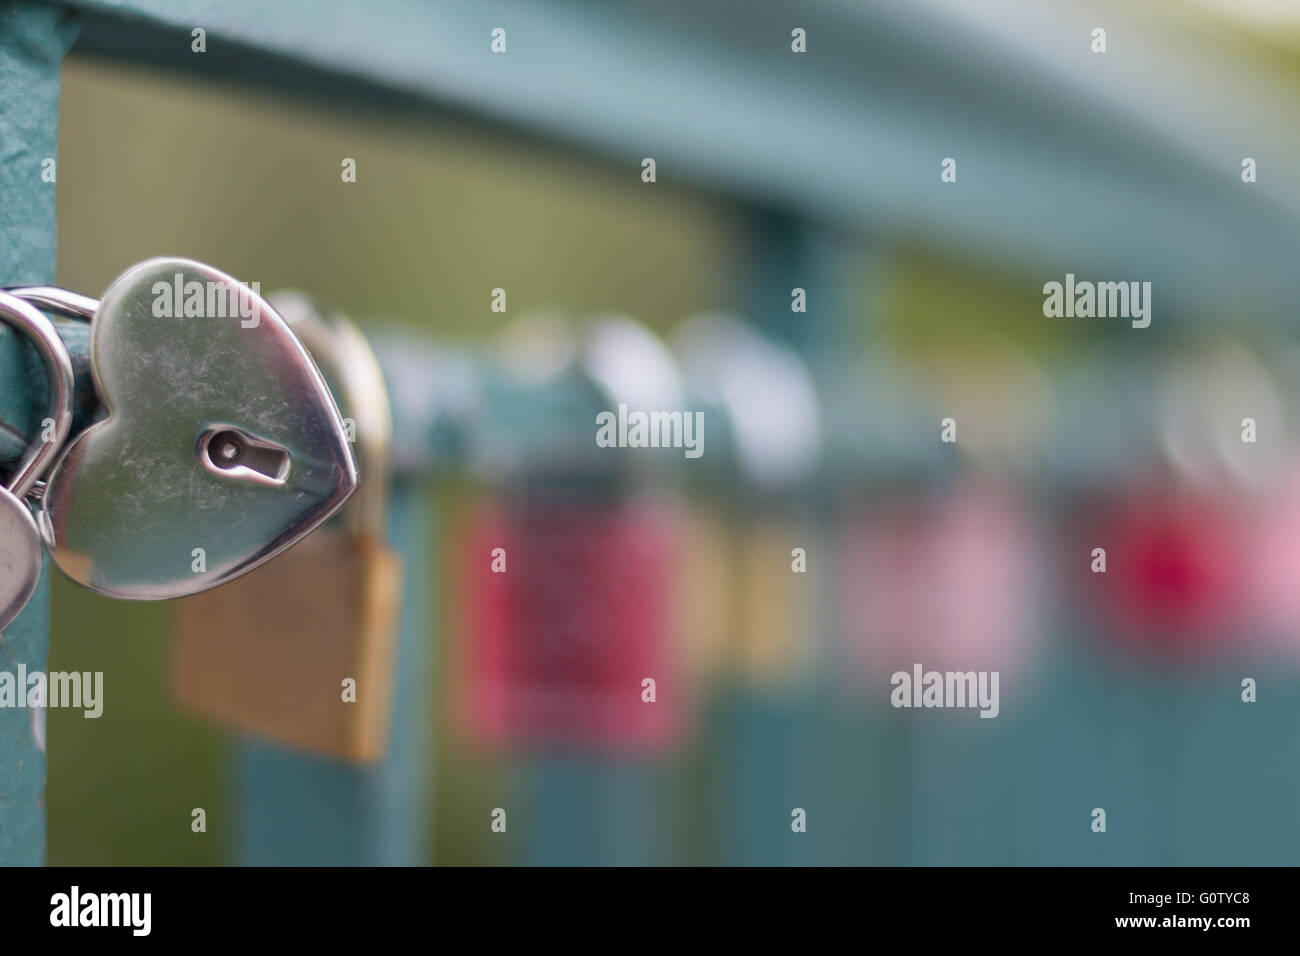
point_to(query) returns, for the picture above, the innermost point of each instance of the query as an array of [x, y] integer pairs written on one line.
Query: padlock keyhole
[[237, 454], [229, 447]]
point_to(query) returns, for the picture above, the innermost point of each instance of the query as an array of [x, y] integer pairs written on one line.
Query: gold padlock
[[779, 644], [302, 650]]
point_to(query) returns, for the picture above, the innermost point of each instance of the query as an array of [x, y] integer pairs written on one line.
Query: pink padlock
[[1273, 565], [946, 581]]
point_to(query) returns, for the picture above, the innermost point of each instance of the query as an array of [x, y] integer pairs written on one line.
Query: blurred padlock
[[566, 619], [705, 595], [772, 423], [1176, 538], [1274, 556], [1175, 562], [566, 586], [780, 630], [946, 580], [943, 573], [631, 365], [302, 650]]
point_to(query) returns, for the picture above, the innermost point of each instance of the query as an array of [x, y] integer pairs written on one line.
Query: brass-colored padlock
[[302, 650]]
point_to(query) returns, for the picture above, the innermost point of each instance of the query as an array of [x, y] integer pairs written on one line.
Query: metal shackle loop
[[51, 298], [33, 324]]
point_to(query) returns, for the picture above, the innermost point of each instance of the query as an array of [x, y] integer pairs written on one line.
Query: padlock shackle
[[74, 305], [344, 354], [32, 323]]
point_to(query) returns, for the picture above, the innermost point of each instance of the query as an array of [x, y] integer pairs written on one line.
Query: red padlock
[[568, 618], [1173, 582]]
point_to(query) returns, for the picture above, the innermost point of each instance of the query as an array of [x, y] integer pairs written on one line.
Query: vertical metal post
[[591, 811], [33, 40], [301, 810], [589, 806], [768, 744]]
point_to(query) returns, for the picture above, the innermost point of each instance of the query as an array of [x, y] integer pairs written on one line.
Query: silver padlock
[[221, 447], [20, 540]]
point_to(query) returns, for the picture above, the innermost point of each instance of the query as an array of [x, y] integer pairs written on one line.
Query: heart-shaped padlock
[[20, 541], [222, 445]]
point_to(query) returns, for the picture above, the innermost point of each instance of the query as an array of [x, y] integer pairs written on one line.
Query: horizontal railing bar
[[1055, 176]]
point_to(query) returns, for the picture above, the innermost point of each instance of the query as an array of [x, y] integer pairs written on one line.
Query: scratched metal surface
[[33, 39]]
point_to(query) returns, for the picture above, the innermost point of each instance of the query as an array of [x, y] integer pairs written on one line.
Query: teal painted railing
[[33, 40]]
